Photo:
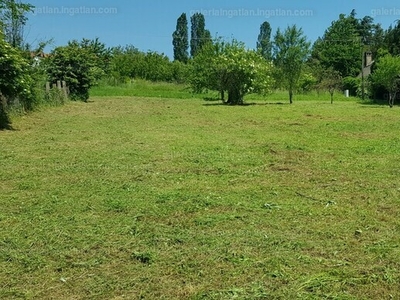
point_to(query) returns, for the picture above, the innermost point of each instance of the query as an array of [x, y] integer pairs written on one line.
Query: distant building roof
[[39, 54]]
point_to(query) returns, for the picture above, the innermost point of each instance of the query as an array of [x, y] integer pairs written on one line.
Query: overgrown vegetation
[[22, 79], [15, 80]]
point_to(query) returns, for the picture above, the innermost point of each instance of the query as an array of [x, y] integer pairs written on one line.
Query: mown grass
[[143, 88], [149, 198]]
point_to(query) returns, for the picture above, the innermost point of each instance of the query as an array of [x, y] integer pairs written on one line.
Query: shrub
[[131, 63], [353, 84], [76, 65], [14, 76], [16, 83], [307, 82]]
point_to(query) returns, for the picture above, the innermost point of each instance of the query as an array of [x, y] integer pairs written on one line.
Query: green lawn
[[153, 198], [143, 88]]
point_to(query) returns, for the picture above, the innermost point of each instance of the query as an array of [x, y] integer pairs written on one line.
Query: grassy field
[[153, 198], [143, 88]]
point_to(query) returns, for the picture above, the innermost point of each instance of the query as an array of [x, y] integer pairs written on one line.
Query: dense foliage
[[130, 63], [15, 81], [180, 39], [340, 47], [231, 67], [264, 43], [392, 39], [343, 47], [18, 82], [200, 36], [80, 65], [387, 75]]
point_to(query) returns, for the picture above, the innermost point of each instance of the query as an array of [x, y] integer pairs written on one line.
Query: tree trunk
[[291, 96], [391, 99], [4, 120], [331, 97], [234, 96]]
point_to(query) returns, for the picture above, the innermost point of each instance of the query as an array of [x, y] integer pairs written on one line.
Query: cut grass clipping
[[140, 198]]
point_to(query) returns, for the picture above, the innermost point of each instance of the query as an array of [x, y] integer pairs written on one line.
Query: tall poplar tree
[[264, 45], [180, 39], [199, 34]]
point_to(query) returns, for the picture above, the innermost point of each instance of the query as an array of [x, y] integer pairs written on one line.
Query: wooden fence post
[[64, 88], [61, 85]]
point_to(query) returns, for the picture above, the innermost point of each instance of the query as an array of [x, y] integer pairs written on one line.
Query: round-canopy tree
[[387, 74], [233, 68], [339, 47]]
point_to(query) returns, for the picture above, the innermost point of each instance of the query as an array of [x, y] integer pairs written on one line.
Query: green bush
[[307, 82], [15, 77], [17, 83], [353, 84], [130, 63], [180, 72], [77, 66]]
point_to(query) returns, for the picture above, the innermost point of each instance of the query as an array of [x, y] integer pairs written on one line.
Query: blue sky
[[148, 24]]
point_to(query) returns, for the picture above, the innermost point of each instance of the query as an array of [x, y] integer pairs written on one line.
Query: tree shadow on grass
[[375, 103], [5, 123], [212, 99], [245, 104], [275, 103]]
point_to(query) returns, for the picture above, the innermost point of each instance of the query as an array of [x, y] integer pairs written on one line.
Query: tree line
[[283, 60], [335, 61]]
